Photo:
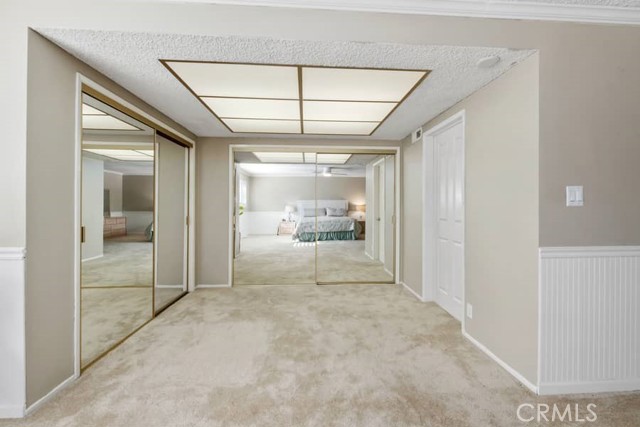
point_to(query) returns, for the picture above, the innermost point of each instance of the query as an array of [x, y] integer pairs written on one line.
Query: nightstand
[[286, 227], [363, 225]]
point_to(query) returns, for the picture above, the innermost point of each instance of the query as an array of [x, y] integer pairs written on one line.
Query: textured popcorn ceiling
[[131, 59]]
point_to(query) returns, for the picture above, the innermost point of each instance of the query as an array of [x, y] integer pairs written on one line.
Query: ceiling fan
[[327, 171]]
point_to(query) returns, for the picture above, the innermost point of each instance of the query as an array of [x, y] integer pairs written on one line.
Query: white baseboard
[[11, 412], [414, 293], [93, 258], [212, 286], [532, 387], [169, 286], [590, 387], [31, 409]]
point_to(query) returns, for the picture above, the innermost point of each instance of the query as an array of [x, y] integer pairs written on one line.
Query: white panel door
[[449, 174]]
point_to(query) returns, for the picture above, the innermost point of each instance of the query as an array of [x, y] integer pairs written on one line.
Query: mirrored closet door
[[171, 225], [313, 217], [355, 204], [273, 224], [117, 210]]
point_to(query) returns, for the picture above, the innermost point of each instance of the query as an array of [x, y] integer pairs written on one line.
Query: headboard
[[312, 204]]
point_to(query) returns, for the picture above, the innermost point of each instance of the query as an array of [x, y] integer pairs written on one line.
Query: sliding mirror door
[[171, 225], [274, 219], [355, 202], [117, 207]]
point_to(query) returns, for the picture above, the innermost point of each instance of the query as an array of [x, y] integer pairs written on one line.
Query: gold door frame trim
[[319, 149], [129, 112]]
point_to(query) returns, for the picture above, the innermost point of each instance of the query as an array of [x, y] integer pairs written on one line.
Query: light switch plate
[[575, 196], [469, 311]]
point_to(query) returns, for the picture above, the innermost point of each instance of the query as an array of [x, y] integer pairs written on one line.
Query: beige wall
[[212, 201], [501, 215], [137, 193], [113, 183], [50, 189], [274, 193]]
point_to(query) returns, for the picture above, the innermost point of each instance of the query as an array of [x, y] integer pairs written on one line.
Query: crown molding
[[501, 9]]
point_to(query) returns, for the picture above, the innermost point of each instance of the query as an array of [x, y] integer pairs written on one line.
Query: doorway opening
[[307, 216]]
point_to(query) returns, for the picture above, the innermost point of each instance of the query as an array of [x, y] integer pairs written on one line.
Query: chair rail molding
[[589, 332], [12, 333]]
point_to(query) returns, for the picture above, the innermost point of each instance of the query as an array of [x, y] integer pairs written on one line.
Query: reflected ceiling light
[[279, 157], [126, 155], [309, 157], [333, 159], [88, 110], [258, 98], [105, 122]]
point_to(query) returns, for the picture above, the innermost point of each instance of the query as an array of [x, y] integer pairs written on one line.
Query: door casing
[[430, 225]]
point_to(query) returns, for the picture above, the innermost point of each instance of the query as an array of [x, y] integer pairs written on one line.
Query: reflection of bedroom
[[286, 204]]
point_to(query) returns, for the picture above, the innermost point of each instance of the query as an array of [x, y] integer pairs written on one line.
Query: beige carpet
[[321, 356], [109, 315], [278, 260], [123, 264]]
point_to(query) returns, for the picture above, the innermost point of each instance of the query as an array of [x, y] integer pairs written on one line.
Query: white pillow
[[315, 212], [336, 212]]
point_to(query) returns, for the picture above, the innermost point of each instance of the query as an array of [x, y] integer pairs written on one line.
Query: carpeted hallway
[[353, 355]]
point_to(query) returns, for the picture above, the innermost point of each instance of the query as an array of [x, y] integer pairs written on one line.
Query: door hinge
[[187, 220], [82, 234]]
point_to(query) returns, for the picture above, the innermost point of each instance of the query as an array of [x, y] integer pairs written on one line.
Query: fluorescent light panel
[[105, 122], [339, 128], [239, 80], [358, 85], [347, 111], [279, 157], [254, 108], [254, 98], [263, 126]]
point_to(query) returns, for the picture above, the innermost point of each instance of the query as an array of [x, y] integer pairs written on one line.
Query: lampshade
[[361, 208], [289, 208]]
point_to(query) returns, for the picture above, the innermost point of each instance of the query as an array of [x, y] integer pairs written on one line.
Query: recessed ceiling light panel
[[258, 98], [254, 108], [263, 126], [347, 111], [341, 84], [239, 80], [339, 128]]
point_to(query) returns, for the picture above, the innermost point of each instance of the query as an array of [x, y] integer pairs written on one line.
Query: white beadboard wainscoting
[[589, 319], [12, 333]]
